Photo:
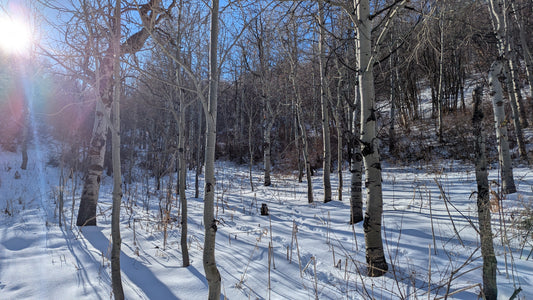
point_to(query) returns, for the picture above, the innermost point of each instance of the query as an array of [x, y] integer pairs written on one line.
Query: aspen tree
[[375, 257], [211, 271], [490, 289], [496, 92], [326, 140], [116, 279], [102, 78]]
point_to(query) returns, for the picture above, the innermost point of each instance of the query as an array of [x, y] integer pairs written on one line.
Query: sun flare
[[15, 35]]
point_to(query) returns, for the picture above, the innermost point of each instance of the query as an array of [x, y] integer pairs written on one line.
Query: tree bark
[[95, 162], [375, 257], [267, 143], [25, 133], [182, 160], [440, 92], [496, 71], [116, 279], [500, 123], [198, 156], [182, 178], [523, 43], [515, 97], [293, 57], [211, 271], [338, 126], [490, 289], [356, 191], [326, 150], [392, 131], [297, 142], [103, 78], [308, 173], [182, 169]]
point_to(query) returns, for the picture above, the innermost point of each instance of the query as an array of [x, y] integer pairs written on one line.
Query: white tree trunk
[[310, 198], [198, 156], [95, 162], [325, 107], [211, 271], [340, 141], [182, 179], [116, 278], [490, 289], [500, 123], [356, 162], [375, 258], [103, 80], [303, 136], [182, 161], [515, 97], [297, 142], [356, 166], [497, 11], [525, 48], [440, 100]]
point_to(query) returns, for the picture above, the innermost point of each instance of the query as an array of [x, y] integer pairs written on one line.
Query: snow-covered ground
[[431, 245]]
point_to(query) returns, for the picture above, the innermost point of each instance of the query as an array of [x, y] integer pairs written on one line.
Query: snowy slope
[[323, 258]]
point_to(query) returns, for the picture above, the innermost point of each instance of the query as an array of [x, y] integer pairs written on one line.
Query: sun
[[15, 35]]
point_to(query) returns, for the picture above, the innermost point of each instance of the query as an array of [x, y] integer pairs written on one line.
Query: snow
[[41, 260]]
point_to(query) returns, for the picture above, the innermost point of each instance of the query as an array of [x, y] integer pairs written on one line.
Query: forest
[[326, 149]]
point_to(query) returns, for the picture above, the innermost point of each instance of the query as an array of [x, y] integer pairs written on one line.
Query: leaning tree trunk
[[95, 162], [375, 257], [103, 80], [211, 271], [490, 289], [326, 151], [116, 279], [504, 154]]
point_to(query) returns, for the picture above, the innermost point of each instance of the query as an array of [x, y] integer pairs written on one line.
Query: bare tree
[[324, 101], [490, 289], [116, 279], [291, 47], [375, 257], [499, 12], [150, 15], [497, 71], [211, 271]]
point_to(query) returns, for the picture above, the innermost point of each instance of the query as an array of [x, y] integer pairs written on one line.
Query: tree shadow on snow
[[136, 272], [82, 275]]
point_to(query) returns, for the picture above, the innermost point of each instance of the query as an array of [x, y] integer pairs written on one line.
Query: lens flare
[[15, 35]]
